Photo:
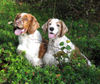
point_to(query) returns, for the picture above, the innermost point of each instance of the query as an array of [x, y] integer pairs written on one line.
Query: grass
[[15, 69]]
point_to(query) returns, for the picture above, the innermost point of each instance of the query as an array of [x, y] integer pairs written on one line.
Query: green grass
[[15, 69]]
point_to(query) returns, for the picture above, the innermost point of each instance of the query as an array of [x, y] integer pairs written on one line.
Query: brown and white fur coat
[[56, 32], [30, 39]]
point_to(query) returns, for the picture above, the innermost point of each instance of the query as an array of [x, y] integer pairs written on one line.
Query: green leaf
[[61, 44], [62, 48], [68, 41], [68, 47]]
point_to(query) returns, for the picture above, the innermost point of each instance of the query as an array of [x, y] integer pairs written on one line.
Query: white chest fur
[[54, 47], [31, 45]]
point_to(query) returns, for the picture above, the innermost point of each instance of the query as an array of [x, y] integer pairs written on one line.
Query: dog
[[56, 33], [30, 39]]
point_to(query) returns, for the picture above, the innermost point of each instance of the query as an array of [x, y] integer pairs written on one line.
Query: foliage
[[69, 8], [15, 69]]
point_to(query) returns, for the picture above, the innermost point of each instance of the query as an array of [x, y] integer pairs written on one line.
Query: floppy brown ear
[[45, 26], [64, 29], [33, 25]]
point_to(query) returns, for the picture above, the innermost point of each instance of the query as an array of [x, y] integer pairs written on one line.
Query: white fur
[[30, 43], [22, 14], [54, 47], [54, 25]]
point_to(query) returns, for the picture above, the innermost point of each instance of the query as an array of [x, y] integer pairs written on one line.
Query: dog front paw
[[20, 49], [20, 52]]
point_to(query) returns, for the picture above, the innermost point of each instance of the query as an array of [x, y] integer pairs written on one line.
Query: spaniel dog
[[30, 39], [56, 33]]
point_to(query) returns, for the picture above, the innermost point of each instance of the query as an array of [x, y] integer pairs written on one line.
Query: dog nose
[[51, 28]]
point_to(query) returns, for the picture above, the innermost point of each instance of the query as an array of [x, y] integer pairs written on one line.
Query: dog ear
[[64, 29], [33, 25], [45, 26]]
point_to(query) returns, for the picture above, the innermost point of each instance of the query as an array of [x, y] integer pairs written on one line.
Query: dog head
[[55, 28], [25, 23]]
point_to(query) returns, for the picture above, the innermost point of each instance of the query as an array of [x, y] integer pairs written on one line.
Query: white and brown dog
[[56, 32], [30, 39]]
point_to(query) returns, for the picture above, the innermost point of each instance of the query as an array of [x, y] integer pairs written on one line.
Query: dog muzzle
[[51, 35], [19, 31]]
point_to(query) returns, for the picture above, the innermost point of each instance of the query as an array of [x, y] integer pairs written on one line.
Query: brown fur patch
[[43, 48], [77, 54], [64, 28], [61, 28], [27, 21], [45, 26], [17, 16], [30, 23]]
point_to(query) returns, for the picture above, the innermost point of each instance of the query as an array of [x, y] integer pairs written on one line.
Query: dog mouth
[[19, 31], [51, 35]]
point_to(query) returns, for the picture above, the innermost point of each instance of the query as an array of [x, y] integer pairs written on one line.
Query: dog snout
[[51, 28]]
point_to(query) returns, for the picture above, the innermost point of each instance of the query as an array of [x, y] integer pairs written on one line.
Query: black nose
[[51, 28]]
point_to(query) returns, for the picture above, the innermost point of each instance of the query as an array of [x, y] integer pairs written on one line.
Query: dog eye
[[49, 23], [58, 25]]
